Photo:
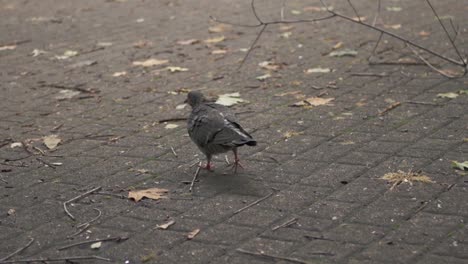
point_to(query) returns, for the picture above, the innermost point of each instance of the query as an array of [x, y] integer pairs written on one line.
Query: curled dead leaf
[[214, 40], [51, 141], [188, 42], [149, 62], [313, 101], [152, 193]]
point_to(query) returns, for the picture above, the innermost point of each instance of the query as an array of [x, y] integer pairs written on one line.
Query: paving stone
[[334, 175], [324, 249], [193, 252], [392, 252], [355, 233], [329, 209], [226, 234], [268, 246]]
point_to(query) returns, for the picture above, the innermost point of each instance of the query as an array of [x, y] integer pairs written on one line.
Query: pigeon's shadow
[[225, 180]]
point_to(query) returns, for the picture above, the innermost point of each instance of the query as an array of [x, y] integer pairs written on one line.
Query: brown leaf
[[8, 47], [51, 141], [152, 193], [219, 28], [424, 33], [142, 44], [270, 65], [314, 101], [193, 233], [149, 62], [166, 225]]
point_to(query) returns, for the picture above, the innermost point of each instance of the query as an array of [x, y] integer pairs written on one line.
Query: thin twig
[[172, 119], [77, 198], [173, 152], [67, 259], [254, 202], [18, 250], [80, 231], [355, 11], [391, 107], [432, 66], [421, 103], [377, 14], [195, 176], [446, 31], [92, 220], [294, 260], [252, 45], [459, 63], [285, 224], [47, 164], [118, 239], [369, 74]]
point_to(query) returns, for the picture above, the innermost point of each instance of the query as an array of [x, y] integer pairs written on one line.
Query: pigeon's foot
[[208, 166], [236, 164]]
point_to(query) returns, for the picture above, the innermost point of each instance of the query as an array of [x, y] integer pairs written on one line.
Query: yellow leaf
[[152, 193], [149, 62]]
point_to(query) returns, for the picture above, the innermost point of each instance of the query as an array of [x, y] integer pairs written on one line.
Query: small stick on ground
[[227, 160], [195, 176], [391, 107], [369, 74], [285, 224], [77, 198], [422, 103], [18, 250], [294, 260], [172, 119], [173, 152], [118, 239], [254, 202], [47, 164], [44, 260], [92, 220]]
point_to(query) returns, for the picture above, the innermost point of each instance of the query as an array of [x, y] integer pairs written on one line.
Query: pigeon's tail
[[251, 143]]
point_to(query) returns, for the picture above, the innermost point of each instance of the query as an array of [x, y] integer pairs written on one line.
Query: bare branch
[[435, 68], [255, 12], [378, 12], [252, 45], [446, 31], [355, 11]]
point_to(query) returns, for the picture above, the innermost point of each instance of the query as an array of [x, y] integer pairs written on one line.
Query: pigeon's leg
[[236, 161], [209, 165]]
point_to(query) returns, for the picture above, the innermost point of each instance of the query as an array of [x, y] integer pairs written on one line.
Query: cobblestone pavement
[[67, 69]]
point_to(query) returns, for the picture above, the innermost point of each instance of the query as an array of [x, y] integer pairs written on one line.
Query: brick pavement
[[325, 177]]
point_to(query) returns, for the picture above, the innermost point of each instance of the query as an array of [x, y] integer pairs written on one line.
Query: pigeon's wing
[[203, 123], [231, 135]]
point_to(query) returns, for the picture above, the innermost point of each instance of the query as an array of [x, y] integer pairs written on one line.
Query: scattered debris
[[263, 77], [290, 134], [219, 28], [118, 74], [37, 52], [94, 242], [343, 53], [152, 193], [389, 108], [193, 233], [450, 95], [149, 62], [171, 126], [230, 99], [166, 225], [82, 64], [66, 94], [188, 42], [399, 177], [214, 40], [16, 145], [270, 65], [313, 101], [460, 165], [66, 55], [176, 69], [219, 52], [285, 224], [51, 141], [318, 70], [11, 212], [393, 8], [96, 245], [7, 47]]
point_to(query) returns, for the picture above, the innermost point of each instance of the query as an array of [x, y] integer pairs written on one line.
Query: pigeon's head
[[194, 98]]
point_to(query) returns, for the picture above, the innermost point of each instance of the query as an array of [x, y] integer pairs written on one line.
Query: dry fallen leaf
[[219, 28], [290, 134], [171, 126], [11, 211], [460, 165], [118, 74], [152, 193], [51, 141], [37, 52], [188, 42], [16, 145], [192, 234], [270, 65], [214, 40], [314, 8], [8, 47], [67, 54], [318, 70], [449, 95], [142, 44], [338, 45], [263, 77], [424, 33], [230, 99], [66, 94], [149, 62], [394, 26], [176, 69], [218, 52], [96, 245], [166, 225], [314, 101], [393, 8], [295, 93]]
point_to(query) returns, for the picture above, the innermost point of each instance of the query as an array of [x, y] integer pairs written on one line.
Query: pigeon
[[214, 129]]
